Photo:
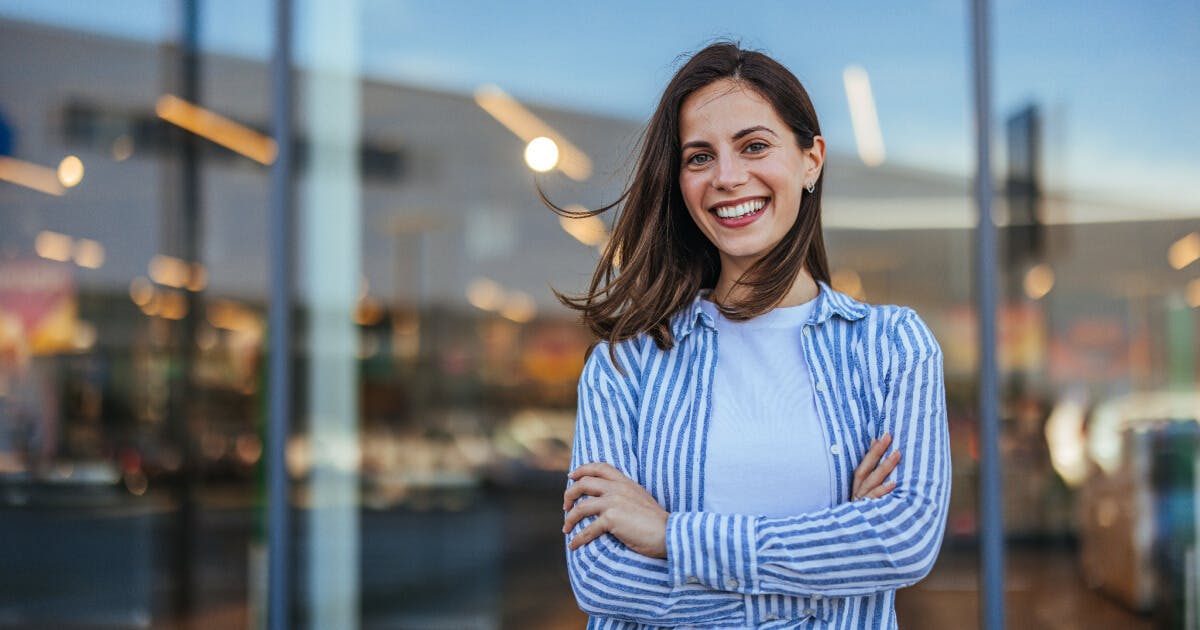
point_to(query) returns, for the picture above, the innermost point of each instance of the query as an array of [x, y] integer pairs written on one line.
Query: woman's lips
[[743, 220]]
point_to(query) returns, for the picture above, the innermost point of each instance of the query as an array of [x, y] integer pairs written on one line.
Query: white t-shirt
[[767, 454]]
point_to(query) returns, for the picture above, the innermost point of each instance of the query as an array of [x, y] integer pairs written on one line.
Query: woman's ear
[[814, 159]]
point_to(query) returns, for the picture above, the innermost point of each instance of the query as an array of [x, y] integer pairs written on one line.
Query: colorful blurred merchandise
[[1138, 505], [41, 296]]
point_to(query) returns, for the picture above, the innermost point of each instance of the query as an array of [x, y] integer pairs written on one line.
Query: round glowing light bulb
[[541, 154], [70, 171]]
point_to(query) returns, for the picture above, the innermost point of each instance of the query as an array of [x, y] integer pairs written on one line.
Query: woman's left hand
[[622, 507]]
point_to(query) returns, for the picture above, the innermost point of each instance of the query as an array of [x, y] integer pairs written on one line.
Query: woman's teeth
[[742, 209]]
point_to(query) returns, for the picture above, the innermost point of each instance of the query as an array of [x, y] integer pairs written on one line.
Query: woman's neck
[[802, 290]]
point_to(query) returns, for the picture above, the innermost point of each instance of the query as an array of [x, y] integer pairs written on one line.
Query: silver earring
[[811, 187]]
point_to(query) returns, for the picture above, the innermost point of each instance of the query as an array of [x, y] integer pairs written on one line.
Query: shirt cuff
[[716, 550]]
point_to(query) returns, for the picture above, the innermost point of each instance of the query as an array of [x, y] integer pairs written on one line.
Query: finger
[[582, 511], [882, 490], [871, 459], [589, 533], [590, 486], [598, 469], [877, 476]]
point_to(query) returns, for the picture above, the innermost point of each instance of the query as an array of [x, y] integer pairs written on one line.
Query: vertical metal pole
[[991, 521], [279, 603], [181, 237]]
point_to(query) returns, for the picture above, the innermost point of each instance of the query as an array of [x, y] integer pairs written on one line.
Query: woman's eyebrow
[[749, 130], [704, 144]]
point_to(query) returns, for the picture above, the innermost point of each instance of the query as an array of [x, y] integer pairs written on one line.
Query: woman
[[721, 417]]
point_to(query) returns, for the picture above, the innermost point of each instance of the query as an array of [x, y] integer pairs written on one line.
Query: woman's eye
[[755, 147], [699, 158]]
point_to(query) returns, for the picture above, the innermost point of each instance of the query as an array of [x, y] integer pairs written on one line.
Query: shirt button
[[731, 584], [693, 579], [808, 612], [820, 386], [836, 449], [771, 617], [818, 596]]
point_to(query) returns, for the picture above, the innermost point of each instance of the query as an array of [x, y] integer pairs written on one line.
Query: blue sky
[[1117, 80]]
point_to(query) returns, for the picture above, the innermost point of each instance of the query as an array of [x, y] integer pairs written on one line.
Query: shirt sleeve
[[608, 578], [854, 548]]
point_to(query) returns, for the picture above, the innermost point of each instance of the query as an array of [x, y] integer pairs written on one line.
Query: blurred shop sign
[[38, 298]]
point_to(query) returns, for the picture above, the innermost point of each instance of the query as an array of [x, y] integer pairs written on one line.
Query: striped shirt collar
[[829, 303]]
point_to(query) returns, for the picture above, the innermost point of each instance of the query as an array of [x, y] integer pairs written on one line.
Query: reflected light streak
[[217, 128], [169, 271], [867, 132], [30, 175], [197, 278], [1185, 251], [70, 171], [1038, 281], [53, 245], [1193, 293], [573, 162], [590, 231], [89, 253]]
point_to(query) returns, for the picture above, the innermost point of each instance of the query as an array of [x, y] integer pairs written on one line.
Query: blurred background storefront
[[434, 372]]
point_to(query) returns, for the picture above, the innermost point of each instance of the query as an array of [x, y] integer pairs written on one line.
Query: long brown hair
[[657, 259]]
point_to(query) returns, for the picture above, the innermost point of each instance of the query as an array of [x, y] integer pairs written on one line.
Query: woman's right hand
[[870, 475]]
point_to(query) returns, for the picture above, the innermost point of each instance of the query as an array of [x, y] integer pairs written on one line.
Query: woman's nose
[[730, 173]]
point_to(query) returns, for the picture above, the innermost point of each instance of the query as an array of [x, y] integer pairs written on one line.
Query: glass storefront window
[[434, 370]]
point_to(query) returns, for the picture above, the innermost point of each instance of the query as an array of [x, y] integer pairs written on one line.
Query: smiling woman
[[746, 488]]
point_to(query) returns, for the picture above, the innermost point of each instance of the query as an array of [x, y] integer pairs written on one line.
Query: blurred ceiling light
[[849, 282], [230, 315], [89, 253], [197, 277], [85, 335], [141, 291], [70, 171], [217, 128], [1038, 281], [1066, 439], [173, 305], [485, 294], [1193, 293], [1185, 251], [151, 306], [169, 271], [573, 162], [590, 231], [122, 147], [863, 115], [519, 307], [541, 154], [53, 245], [30, 175]]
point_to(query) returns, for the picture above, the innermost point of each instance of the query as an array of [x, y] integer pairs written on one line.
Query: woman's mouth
[[741, 213]]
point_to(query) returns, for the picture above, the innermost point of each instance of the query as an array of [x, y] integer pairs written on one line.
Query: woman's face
[[742, 173]]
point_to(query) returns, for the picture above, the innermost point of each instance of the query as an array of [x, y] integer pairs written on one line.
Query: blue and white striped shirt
[[876, 370]]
